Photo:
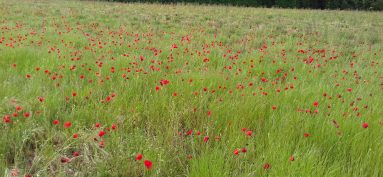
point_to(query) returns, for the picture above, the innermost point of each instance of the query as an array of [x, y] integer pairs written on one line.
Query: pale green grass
[[149, 121]]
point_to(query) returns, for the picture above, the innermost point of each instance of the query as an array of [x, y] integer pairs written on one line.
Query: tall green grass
[[154, 123]]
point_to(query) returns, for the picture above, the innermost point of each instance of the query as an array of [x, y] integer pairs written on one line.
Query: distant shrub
[[378, 5], [310, 4]]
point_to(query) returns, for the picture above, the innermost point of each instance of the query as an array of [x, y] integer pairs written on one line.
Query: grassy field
[[110, 89]]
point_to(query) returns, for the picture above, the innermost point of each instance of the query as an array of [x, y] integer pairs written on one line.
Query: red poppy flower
[[108, 98], [27, 114], [148, 164], [291, 158], [157, 88], [266, 166], [56, 122], [189, 132], [19, 108], [139, 157], [102, 144], [75, 154], [206, 138], [236, 152], [101, 133], [67, 124], [365, 125], [7, 118], [75, 135], [164, 82]]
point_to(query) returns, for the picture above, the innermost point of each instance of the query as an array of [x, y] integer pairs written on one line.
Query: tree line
[[310, 4]]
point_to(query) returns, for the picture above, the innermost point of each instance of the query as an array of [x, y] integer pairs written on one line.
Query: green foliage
[[378, 5]]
